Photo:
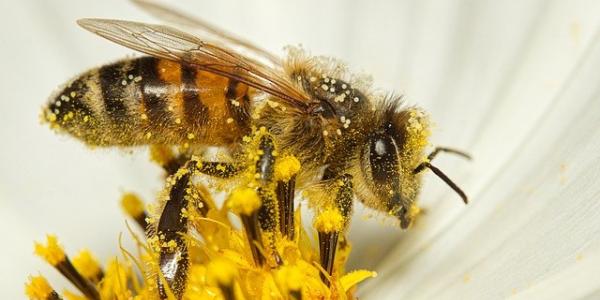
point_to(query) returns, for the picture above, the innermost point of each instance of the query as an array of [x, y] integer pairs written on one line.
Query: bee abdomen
[[151, 101]]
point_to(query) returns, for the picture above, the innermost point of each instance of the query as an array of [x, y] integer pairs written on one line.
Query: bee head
[[391, 152]]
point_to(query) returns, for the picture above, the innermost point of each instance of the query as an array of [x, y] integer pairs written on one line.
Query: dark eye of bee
[[383, 158]]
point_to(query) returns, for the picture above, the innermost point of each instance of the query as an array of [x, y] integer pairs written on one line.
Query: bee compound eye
[[383, 161]]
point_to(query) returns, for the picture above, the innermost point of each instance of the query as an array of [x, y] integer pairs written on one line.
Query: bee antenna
[[443, 177]]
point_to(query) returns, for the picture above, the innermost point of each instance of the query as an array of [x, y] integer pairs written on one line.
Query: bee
[[209, 88]]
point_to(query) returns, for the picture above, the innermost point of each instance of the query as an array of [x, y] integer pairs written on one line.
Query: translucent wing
[[205, 29], [169, 43]]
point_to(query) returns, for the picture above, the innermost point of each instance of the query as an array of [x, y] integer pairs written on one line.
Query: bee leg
[[328, 227], [217, 169], [268, 213], [173, 260]]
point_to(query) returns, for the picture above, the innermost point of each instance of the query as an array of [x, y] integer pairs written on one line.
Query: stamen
[[38, 288], [285, 174], [134, 207], [88, 266], [222, 273], [328, 224], [55, 256], [245, 203], [290, 278]]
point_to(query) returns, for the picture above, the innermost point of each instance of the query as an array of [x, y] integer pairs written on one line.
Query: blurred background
[[487, 71]]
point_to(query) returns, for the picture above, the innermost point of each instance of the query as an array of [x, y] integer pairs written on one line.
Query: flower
[[191, 249], [512, 83]]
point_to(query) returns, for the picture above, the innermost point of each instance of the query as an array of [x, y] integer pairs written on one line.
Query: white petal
[[535, 208]]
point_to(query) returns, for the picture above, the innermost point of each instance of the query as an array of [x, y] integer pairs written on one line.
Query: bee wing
[[172, 44], [205, 29]]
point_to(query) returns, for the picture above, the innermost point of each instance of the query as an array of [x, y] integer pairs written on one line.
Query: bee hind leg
[[173, 223]]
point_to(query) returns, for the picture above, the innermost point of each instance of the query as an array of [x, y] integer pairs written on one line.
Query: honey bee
[[190, 91], [213, 89]]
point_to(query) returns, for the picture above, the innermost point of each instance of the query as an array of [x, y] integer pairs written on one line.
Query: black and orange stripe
[[148, 100]]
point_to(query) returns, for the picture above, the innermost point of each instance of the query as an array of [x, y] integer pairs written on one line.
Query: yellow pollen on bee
[[338, 131], [137, 78], [324, 87], [190, 136], [325, 133], [344, 86], [148, 135], [51, 117], [144, 117], [178, 121], [73, 94], [229, 120], [124, 82]]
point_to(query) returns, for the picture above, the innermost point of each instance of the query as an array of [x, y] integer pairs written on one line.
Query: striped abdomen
[[151, 101]]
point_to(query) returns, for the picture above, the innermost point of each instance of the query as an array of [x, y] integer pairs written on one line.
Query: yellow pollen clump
[[86, 264], [52, 252], [132, 204], [243, 201], [286, 167], [38, 288], [329, 220]]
